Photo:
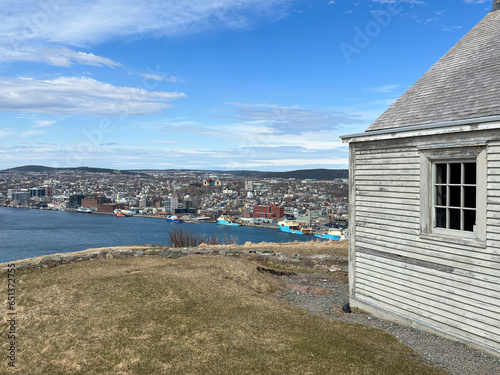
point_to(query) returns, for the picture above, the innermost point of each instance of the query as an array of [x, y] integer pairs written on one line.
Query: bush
[[185, 238]]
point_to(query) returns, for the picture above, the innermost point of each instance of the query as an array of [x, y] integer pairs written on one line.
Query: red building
[[268, 212]]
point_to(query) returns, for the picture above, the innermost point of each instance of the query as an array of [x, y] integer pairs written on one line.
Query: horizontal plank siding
[[470, 315], [451, 285]]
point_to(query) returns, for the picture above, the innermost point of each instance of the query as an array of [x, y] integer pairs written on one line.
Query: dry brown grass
[[194, 315]]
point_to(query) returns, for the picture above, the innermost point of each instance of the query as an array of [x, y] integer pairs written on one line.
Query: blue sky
[[210, 84]]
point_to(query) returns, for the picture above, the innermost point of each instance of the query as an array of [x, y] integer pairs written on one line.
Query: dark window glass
[[454, 196], [441, 173], [441, 217], [470, 196], [469, 220], [440, 195], [470, 173], [455, 173], [454, 218]]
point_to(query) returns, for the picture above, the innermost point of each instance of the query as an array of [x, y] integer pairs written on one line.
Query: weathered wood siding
[[448, 286]]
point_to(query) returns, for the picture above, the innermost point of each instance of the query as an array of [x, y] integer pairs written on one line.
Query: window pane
[[441, 217], [454, 219], [441, 173], [455, 173], [469, 220], [470, 173], [440, 195], [470, 196], [455, 196]]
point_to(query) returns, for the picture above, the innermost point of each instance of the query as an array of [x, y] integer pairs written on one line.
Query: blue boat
[[293, 226], [335, 234], [174, 218], [227, 220]]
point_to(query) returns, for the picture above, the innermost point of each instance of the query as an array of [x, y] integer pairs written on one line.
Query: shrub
[[185, 238]]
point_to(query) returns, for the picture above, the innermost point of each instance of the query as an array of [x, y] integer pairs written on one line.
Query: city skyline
[[259, 85]]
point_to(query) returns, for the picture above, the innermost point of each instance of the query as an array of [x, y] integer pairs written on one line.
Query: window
[[455, 196], [453, 192]]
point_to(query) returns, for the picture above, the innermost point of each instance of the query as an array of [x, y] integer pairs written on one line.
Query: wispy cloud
[[293, 119], [6, 132], [30, 133], [56, 56], [79, 95], [43, 123], [159, 78], [383, 89], [70, 23]]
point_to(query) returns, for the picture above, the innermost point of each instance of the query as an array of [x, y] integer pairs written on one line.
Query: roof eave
[[418, 130]]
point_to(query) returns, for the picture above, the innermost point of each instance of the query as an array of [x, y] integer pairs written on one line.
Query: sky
[[265, 85]]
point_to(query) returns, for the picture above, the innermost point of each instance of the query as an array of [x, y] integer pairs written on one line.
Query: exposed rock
[[299, 288], [317, 291], [274, 271]]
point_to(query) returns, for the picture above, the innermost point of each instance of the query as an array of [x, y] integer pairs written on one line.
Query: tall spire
[[496, 5]]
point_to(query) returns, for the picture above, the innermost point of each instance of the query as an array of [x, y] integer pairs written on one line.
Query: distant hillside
[[41, 168], [302, 174], [313, 174], [30, 168]]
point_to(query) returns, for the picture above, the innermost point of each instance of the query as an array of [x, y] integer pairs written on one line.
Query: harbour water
[[28, 233]]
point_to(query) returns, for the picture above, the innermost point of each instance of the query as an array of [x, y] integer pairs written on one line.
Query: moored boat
[[335, 234], [174, 218], [84, 210], [228, 220], [293, 226], [122, 213]]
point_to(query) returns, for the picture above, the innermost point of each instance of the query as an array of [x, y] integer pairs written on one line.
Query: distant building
[[171, 204], [20, 196], [211, 182], [93, 202], [268, 212], [37, 192], [75, 201]]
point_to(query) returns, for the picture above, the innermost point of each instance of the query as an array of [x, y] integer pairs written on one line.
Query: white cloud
[[6, 132], [56, 56], [293, 119], [70, 23], [159, 78], [293, 163], [79, 95], [384, 89], [30, 133], [43, 123]]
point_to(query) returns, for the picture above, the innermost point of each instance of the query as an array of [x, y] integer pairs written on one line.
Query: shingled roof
[[464, 84]]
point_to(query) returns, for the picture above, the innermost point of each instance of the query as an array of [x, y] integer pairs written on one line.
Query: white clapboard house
[[425, 198]]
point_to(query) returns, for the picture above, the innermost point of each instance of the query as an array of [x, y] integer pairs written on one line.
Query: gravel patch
[[453, 357]]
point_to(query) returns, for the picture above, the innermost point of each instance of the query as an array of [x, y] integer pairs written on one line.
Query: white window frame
[[430, 155]]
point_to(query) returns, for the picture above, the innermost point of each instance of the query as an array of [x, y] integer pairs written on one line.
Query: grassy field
[[194, 315]]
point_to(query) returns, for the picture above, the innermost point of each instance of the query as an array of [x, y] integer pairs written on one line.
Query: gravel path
[[453, 357]]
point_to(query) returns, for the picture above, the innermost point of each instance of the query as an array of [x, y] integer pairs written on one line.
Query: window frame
[[430, 156], [448, 185]]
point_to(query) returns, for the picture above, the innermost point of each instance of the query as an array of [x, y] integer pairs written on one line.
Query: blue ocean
[[26, 233]]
